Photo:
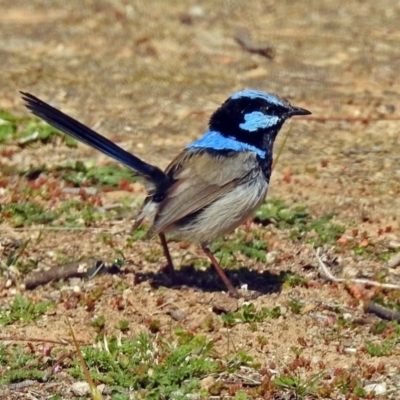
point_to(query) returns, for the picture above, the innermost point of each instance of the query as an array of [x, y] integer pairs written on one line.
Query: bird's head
[[253, 117]]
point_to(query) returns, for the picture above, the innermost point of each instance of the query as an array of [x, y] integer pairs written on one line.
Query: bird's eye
[[265, 109], [273, 109]]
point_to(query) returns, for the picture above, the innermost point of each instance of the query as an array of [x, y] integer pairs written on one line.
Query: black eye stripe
[[272, 109], [245, 106]]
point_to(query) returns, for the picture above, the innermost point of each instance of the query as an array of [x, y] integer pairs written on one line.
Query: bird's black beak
[[297, 111]]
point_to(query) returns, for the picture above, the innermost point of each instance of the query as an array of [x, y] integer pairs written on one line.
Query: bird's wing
[[201, 178]]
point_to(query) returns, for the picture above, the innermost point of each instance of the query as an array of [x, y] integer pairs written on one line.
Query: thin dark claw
[[231, 289]]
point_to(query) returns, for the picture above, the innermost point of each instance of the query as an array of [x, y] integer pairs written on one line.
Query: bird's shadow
[[209, 281]]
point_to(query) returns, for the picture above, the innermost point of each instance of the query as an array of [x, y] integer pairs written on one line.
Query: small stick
[[245, 41], [333, 278], [371, 306], [382, 312], [84, 268]]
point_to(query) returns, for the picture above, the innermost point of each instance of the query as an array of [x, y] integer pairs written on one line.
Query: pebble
[[315, 359], [394, 244], [80, 388], [350, 350], [76, 289], [222, 303], [207, 382], [179, 395], [196, 11], [177, 315], [394, 261], [378, 388], [347, 316]]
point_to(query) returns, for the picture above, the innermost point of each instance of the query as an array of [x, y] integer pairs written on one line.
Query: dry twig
[[84, 268], [382, 312], [333, 278], [371, 306], [245, 41]]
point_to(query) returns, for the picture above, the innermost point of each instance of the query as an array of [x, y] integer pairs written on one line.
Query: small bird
[[214, 184]]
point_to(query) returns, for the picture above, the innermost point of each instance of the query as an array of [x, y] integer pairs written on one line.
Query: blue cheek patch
[[214, 140], [257, 120]]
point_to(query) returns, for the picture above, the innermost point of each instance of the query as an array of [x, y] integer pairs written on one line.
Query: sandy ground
[[149, 74]]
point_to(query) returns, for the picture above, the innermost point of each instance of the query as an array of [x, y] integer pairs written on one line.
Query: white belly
[[225, 214]]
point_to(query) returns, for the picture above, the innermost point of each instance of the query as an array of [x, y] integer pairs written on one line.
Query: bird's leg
[[231, 289], [170, 266]]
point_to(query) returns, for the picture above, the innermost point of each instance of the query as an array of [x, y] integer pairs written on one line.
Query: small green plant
[[316, 231], [299, 386], [15, 359], [99, 323], [37, 130], [15, 258], [379, 327], [75, 212], [241, 395], [387, 255], [123, 325], [26, 213], [8, 126], [27, 130], [154, 325], [21, 309], [241, 357], [248, 314], [253, 248], [138, 234], [322, 230], [111, 175], [390, 332], [275, 211], [151, 365], [384, 348], [295, 306], [290, 279]]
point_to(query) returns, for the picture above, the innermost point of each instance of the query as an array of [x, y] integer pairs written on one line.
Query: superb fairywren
[[215, 183]]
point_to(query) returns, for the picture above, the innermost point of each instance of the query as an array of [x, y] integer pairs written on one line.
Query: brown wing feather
[[200, 180]]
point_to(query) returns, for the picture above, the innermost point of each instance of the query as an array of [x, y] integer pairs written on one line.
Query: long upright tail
[[86, 135]]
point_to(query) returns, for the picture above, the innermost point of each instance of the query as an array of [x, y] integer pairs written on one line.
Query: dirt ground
[[148, 75]]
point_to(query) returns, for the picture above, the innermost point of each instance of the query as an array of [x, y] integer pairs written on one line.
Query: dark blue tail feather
[[86, 135]]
